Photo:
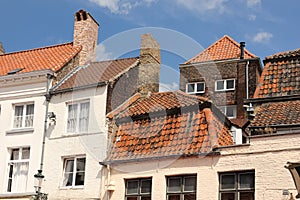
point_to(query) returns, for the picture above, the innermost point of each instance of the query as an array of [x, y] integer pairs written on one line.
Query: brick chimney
[[149, 69], [85, 35], [2, 51]]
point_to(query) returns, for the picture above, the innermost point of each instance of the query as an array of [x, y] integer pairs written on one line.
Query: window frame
[[225, 108], [182, 192], [77, 125], [139, 193], [195, 88], [224, 85], [236, 190], [73, 172], [11, 162], [24, 115]]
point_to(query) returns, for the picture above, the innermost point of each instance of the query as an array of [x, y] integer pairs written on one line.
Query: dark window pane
[[14, 154], [246, 195], [228, 181], [227, 196], [146, 198], [79, 178], [189, 197], [191, 87], [174, 197], [25, 153], [145, 186], [174, 184], [230, 111], [132, 187], [200, 87], [190, 184], [230, 84], [220, 85], [80, 164], [246, 180], [131, 198]]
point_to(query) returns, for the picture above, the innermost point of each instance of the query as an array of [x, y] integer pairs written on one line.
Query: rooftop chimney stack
[[242, 47], [2, 51], [85, 35], [149, 69]]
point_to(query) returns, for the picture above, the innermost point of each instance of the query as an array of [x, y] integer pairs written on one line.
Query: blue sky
[[267, 26]]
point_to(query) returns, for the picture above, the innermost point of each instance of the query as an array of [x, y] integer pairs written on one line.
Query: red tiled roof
[[223, 49], [280, 76], [277, 113], [51, 57], [184, 132], [97, 72]]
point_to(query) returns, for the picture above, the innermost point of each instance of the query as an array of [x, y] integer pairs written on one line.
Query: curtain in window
[[84, 117], [18, 118], [19, 176], [72, 118], [29, 115]]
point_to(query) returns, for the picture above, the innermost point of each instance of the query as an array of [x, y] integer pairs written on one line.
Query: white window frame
[[74, 171], [24, 116], [14, 162], [77, 128], [225, 108], [225, 85], [195, 88]]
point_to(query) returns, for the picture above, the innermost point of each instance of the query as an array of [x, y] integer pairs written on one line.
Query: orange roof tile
[[280, 76], [96, 72], [51, 57], [223, 49], [193, 128]]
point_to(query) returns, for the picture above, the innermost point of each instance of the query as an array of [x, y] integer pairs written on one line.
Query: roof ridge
[[118, 59], [38, 48]]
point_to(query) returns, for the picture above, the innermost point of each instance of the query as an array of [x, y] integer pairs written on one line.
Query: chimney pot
[[242, 47]]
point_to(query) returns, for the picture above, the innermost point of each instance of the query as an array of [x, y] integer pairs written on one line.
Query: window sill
[[72, 188], [16, 194], [20, 130]]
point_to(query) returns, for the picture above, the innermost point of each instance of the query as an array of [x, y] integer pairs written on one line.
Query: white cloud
[[102, 54], [164, 87], [262, 37], [253, 3], [252, 17], [121, 6], [202, 6]]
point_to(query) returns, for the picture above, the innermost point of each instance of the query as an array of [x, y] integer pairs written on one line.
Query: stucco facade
[[265, 155], [61, 145], [21, 90]]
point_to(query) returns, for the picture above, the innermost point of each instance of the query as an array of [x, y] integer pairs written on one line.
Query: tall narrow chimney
[[2, 51], [85, 35], [149, 69], [242, 47]]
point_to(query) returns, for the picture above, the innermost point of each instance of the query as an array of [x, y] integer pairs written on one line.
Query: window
[[229, 111], [23, 116], [195, 87], [237, 186], [138, 189], [74, 172], [224, 85], [181, 187], [78, 117], [18, 169]]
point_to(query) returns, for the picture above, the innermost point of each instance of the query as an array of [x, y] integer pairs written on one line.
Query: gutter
[[53, 92]]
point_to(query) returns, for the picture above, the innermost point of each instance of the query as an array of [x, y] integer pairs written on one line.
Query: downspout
[[108, 182], [48, 97], [247, 79]]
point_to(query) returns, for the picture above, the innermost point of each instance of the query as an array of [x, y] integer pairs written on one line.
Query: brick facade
[[209, 72]]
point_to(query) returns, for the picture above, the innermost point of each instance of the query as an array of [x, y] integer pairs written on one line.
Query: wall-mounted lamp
[[38, 185], [52, 117]]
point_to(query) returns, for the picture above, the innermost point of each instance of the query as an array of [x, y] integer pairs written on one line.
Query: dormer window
[[195, 88], [225, 85]]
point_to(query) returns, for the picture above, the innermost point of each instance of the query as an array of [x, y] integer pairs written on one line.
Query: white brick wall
[[266, 155]]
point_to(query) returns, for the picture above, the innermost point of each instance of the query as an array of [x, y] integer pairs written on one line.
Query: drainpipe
[[247, 79], [108, 182], [48, 97]]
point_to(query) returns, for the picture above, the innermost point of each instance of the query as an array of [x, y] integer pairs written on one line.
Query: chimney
[[242, 47], [2, 51], [85, 35], [149, 69]]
